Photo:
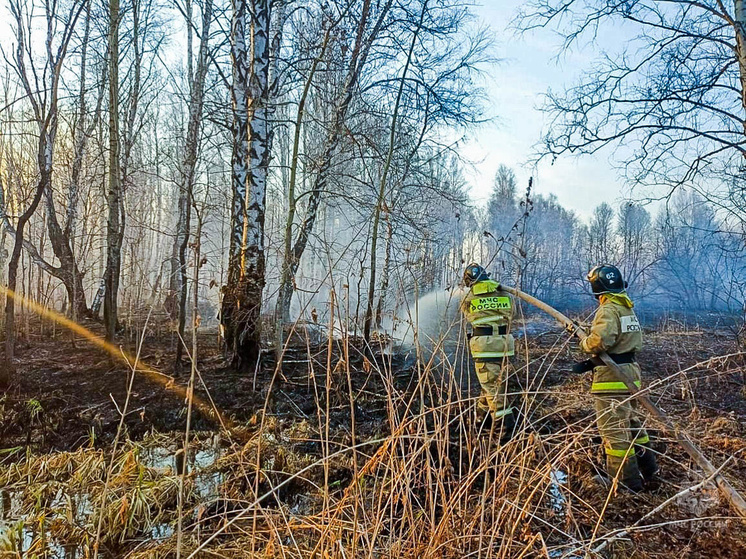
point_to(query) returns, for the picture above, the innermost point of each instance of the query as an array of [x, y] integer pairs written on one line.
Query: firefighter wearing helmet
[[616, 331], [489, 310]]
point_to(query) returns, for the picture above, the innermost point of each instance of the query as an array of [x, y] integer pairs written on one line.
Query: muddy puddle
[[169, 461], [46, 528], [557, 498]]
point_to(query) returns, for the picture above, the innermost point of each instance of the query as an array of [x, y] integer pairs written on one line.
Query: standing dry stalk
[[192, 374], [120, 428]]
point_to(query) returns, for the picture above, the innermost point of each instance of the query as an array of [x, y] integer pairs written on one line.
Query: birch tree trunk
[[114, 190], [248, 324], [242, 296], [241, 70]]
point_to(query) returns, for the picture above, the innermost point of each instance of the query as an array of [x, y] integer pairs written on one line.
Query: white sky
[[528, 68]]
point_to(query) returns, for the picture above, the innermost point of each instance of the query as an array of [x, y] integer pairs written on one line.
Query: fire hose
[[727, 490]]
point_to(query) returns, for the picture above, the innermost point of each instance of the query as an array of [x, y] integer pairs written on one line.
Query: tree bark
[[242, 300], [189, 166], [242, 295], [248, 340], [241, 71], [114, 191]]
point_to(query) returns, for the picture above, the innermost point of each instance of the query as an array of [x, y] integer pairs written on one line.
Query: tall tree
[[187, 173], [502, 202], [242, 295], [114, 189], [690, 235], [380, 200], [673, 94], [61, 234], [323, 166], [635, 235], [502, 218], [41, 86], [248, 325], [601, 245]]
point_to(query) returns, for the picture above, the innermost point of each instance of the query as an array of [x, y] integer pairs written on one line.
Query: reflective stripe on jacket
[[615, 329], [487, 305]]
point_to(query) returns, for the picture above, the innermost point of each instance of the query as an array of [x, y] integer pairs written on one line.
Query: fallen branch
[[727, 490]]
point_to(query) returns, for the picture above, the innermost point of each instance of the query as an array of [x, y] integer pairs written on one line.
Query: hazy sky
[[528, 68]]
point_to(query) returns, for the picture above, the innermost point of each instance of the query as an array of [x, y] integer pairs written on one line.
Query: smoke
[[432, 330], [434, 319]]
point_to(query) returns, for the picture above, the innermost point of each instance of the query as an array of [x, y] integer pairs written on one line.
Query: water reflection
[[27, 532], [556, 496]]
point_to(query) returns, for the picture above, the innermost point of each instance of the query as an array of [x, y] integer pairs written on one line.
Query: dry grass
[[421, 484]]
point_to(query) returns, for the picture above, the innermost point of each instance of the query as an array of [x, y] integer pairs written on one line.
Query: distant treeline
[[682, 259]]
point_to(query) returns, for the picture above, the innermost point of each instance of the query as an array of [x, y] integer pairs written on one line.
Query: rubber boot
[[507, 427], [629, 478], [502, 429], [648, 465]]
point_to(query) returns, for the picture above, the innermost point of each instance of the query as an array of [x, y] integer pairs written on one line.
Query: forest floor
[[379, 458]]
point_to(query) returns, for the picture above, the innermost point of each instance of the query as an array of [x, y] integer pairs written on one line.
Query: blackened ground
[[63, 395]]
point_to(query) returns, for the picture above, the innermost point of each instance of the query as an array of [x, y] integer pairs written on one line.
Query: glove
[[583, 366], [572, 328]]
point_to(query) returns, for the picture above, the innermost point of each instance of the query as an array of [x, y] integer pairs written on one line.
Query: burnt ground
[[63, 394], [709, 402], [62, 399]]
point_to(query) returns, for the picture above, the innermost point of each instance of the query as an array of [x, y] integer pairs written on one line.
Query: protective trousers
[[621, 430], [493, 380]]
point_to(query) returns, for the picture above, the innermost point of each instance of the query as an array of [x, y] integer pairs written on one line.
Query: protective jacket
[[489, 310], [615, 330]]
